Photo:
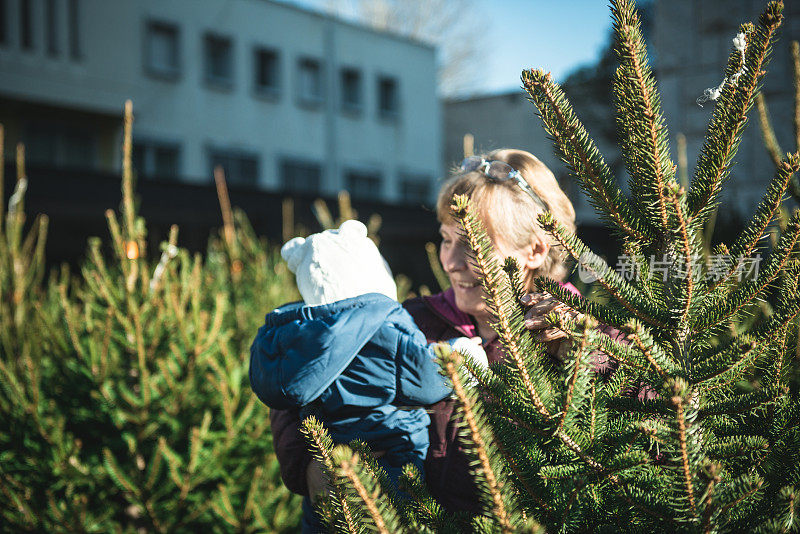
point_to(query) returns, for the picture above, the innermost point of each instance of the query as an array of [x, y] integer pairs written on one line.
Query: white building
[[284, 98]]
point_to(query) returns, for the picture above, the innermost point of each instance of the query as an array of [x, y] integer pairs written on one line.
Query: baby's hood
[[301, 350]]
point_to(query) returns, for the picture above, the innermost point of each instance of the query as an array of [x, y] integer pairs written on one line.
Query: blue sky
[[557, 36]]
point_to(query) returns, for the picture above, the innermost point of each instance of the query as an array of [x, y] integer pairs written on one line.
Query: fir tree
[[560, 445], [124, 398]]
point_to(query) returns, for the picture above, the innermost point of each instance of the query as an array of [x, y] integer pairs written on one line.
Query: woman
[[508, 188]]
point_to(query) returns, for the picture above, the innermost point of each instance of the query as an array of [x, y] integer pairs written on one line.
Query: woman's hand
[[542, 305]]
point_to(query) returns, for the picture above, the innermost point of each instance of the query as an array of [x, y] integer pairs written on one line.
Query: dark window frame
[[310, 100], [261, 89], [292, 184], [51, 27], [62, 137], [214, 152], [150, 172], [3, 22], [391, 112], [74, 18], [152, 26], [369, 175], [26, 30], [356, 106], [214, 80], [410, 180]]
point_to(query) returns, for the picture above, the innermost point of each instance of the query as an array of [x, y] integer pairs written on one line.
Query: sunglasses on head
[[500, 171]]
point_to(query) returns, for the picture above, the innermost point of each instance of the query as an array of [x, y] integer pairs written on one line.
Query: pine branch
[[129, 210], [323, 451], [764, 214], [655, 356], [644, 133], [768, 132], [504, 398], [348, 465], [427, 511], [577, 368], [490, 478], [785, 311], [623, 292], [581, 155], [730, 113], [725, 367], [796, 114], [686, 235], [605, 313], [518, 469], [513, 335], [718, 308], [741, 403], [678, 401], [512, 270], [436, 267], [729, 498]]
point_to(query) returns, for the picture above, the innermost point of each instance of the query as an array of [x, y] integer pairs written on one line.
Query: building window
[[162, 56], [267, 71], [364, 185], [241, 168], [3, 22], [51, 26], [73, 14], [351, 89], [218, 60], [388, 99], [79, 150], [301, 176], [26, 24], [309, 81], [59, 145], [415, 190], [154, 160]]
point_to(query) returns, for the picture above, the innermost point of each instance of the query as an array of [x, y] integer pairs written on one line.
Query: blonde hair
[[510, 213]]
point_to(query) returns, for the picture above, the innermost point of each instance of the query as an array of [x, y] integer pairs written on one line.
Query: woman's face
[[454, 255]]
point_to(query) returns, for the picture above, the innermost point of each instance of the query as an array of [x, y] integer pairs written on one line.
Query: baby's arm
[[419, 379], [291, 449]]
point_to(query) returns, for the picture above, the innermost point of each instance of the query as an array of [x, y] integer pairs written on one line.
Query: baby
[[350, 353]]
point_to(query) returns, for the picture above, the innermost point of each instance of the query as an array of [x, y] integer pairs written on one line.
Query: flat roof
[[290, 4]]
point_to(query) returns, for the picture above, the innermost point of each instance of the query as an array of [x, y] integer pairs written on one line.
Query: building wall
[[185, 110], [509, 121], [692, 40]]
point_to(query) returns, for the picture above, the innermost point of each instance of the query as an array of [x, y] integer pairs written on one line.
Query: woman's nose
[[453, 259]]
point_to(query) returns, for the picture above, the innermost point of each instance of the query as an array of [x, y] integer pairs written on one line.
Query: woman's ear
[[535, 254]]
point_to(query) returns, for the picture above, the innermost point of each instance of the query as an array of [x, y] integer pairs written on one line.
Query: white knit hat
[[338, 264]]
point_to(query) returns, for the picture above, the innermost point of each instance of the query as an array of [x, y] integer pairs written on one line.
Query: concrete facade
[[286, 98], [509, 120], [692, 40]]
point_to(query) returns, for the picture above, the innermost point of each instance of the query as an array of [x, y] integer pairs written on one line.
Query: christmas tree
[[124, 398], [562, 448]]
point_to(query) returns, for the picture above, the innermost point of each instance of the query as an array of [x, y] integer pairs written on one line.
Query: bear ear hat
[[292, 252], [353, 228]]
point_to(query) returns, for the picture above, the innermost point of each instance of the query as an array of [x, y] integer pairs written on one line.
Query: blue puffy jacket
[[361, 362]]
